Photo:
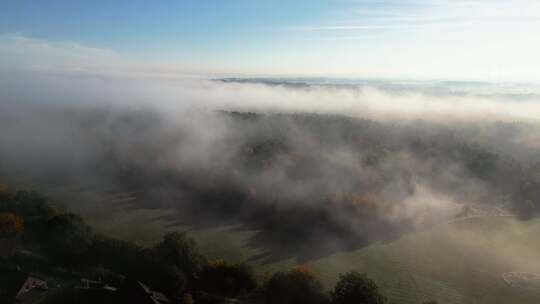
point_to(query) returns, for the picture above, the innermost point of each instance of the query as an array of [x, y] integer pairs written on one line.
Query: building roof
[[32, 288], [156, 297]]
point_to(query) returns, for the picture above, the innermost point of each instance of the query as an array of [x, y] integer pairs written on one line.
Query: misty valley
[[270, 152], [277, 189]]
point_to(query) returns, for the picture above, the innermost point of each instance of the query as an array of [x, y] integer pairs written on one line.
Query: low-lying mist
[[313, 168]]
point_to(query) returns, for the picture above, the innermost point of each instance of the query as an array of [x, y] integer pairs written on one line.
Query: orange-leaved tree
[[10, 224]]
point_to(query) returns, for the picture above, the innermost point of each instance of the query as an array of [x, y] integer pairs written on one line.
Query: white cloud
[[24, 52], [485, 40], [30, 54], [41, 71]]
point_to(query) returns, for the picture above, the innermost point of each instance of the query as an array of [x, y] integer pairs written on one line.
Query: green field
[[459, 262]]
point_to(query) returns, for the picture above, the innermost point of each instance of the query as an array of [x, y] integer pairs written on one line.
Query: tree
[[6, 198], [30, 204], [67, 238], [10, 225], [356, 288], [171, 280], [482, 163], [297, 286], [187, 298], [5, 194], [121, 256], [179, 250], [224, 279]]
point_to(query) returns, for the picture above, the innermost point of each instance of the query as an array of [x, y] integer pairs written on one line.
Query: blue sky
[[465, 39], [150, 29]]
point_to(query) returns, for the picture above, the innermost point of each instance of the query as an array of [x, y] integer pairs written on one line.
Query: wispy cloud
[[432, 15], [25, 53]]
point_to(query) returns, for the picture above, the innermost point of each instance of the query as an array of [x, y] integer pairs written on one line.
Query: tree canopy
[[356, 288], [297, 286], [10, 224], [68, 238]]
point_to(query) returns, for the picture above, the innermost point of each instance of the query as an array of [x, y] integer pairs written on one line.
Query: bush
[[356, 288]]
